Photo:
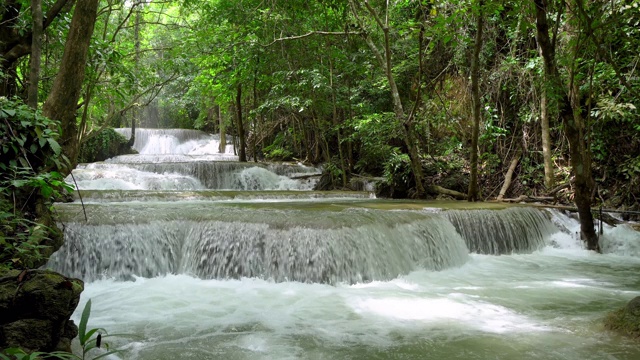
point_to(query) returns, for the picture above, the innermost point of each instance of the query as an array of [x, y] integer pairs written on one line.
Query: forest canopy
[[460, 95]]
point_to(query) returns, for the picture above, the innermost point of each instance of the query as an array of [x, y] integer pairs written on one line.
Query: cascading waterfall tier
[[281, 243], [175, 141], [178, 159], [192, 175], [513, 230]]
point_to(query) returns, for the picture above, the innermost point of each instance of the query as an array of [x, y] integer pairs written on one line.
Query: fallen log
[[306, 176], [443, 191], [529, 199], [605, 217], [509, 176]]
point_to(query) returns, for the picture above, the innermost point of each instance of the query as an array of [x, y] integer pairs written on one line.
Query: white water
[[423, 296], [176, 141], [548, 304], [545, 305], [174, 159]]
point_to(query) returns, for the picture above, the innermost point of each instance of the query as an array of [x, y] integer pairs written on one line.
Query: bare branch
[[325, 33]]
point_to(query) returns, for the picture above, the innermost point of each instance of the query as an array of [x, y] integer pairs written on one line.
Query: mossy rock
[[626, 320], [35, 307], [104, 145]]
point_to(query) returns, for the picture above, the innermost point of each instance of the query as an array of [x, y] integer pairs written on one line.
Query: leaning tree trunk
[[385, 63], [63, 100], [573, 128]]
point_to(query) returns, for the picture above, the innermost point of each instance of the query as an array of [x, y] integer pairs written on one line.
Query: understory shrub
[[31, 166]]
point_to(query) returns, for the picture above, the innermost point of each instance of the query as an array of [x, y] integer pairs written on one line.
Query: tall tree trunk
[[242, 152], [222, 148], [63, 100], [36, 52], [473, 192], [549, 181], [15, 44], [336, 123], [573, 127], [385, 63], [257, 117], [136, 45]]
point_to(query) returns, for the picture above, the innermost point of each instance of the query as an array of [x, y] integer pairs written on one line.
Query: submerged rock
[[35, 307], [626, 320]]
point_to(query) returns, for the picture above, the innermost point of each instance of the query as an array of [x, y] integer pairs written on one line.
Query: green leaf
[[82, 327], [54, 146], [62, 355], [9, 112]]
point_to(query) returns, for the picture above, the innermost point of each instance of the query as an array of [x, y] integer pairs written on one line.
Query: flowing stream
[[197, 256]]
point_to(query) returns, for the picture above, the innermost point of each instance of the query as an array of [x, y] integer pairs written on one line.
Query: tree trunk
[[63, 100], [473, 193], [222, 148], [242, 152], [135, 114], [15, 44], [549, 181], [573, 127], [254, 136], [335, 121], [385, 63], [36, 52]]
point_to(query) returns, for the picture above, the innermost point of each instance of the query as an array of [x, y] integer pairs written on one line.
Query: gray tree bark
[[36, 52], [63, 100], [573, 127]]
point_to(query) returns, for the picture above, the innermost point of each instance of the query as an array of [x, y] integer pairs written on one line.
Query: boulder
[[35, 307], [626, 320]]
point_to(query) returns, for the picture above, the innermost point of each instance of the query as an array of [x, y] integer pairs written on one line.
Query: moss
[[625, 320], [106, 144]]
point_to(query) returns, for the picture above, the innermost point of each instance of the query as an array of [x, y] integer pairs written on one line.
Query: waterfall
[[174, 141], [517, 229], [192, 175], [185, 248], [285, 245]]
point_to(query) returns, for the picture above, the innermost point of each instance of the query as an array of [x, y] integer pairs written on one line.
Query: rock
[[35, 307], [626, 320]]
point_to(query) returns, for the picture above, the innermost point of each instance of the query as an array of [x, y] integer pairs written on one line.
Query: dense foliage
[[375, 88], [30, 179]]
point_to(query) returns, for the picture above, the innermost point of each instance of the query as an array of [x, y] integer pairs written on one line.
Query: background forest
[[430, 95]]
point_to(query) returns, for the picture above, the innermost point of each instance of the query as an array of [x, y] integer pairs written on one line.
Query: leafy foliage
[[31, 164]]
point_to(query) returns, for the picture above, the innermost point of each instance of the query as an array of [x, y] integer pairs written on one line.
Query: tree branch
[[324, 33]]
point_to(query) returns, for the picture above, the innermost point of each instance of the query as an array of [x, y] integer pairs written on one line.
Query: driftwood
[[440, 190], [509, 176]]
